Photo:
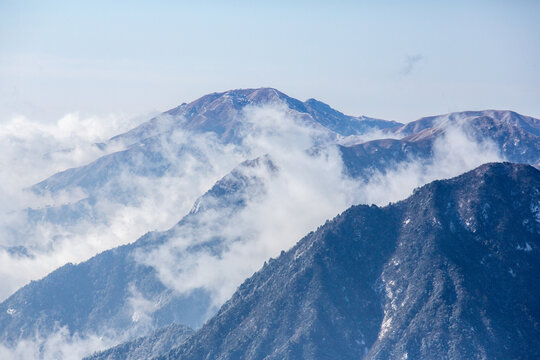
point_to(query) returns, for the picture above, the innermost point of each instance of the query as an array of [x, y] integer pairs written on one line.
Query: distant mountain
[[221, 113], [217, 113], [158, 343], [526, 123], [515, 137], [449, 273]]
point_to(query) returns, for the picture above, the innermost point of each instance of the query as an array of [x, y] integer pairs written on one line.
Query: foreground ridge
[[450, 272]]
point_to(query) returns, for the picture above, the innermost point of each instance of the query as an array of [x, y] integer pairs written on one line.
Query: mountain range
[[349, 258], [154, 151]]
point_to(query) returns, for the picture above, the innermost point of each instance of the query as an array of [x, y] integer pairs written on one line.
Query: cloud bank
[[306, 190], [281, 205], [32, 247]]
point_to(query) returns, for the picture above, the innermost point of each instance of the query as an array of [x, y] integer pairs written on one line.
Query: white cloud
[[29, 152], [155, 203], [59, 345], [305, 192], [454, 152], [368, 136]]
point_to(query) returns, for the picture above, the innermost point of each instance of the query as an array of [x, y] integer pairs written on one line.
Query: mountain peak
[[240, 97], [219, 113]]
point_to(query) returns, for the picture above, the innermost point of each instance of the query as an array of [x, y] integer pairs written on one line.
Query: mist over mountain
[[448, 273], [102, 292], [228, 181], [219, 114]]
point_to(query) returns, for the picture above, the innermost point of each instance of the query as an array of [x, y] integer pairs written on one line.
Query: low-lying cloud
[[61, 344], [454, 152], [30, 248], [306, 190]]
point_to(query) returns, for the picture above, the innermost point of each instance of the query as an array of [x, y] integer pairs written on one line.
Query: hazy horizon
[[385, 60]]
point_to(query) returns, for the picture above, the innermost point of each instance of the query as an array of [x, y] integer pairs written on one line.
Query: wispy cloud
[[411, 63]]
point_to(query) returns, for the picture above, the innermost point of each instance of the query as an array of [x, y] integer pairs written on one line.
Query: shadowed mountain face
[[363, 160], [449, 273]]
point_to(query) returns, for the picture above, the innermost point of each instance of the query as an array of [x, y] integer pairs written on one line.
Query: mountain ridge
[[454, 305], [513, 137], [199, 115]]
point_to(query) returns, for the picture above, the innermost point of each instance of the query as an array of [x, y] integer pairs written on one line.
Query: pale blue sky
[[389, 59]]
